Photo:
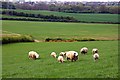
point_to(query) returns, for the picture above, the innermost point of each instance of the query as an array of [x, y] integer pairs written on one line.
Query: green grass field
[[78, 16], [43, 30], [15, 56], [17, 65], [8, 16]]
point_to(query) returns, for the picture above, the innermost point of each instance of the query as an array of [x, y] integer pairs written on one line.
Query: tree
[[103, 9]]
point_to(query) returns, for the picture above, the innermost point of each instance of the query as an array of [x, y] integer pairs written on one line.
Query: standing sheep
[[60, 59], [53, 54], [84, 50], [71, 55], [33, 55], [95, 50], [96, 56]]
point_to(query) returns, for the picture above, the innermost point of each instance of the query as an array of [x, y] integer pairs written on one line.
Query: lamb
[[53, 54], [71, 55], [95, 50], [33, 55], [84, 50], [60, 59], [96, 56]]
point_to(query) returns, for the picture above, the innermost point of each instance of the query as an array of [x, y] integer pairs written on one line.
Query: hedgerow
[[10, 38]]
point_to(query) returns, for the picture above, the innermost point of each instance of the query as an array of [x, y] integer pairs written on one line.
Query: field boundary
[[38, 20], [13, 38]]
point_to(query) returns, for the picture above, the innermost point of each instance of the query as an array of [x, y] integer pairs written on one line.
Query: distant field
[[43, 30], [8, 16], [17, 65], [78, 16]]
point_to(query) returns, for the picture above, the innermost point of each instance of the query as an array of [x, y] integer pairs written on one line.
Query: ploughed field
[[15, 56]]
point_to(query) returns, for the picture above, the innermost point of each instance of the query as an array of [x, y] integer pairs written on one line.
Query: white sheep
[[71, 55], [33, 55], [63, 54], [95, 50], [60, 59], [53, 54], [84, 50], [96, 56]]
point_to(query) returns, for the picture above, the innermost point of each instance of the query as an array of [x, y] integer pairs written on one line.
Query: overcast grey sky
[[76, 0], [73, 0]]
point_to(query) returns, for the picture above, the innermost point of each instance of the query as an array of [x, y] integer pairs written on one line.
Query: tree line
[[77, 8], [38, 17], [22, 16]]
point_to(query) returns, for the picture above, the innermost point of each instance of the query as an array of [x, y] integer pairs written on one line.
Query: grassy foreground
[[17, 65], [15, 56]]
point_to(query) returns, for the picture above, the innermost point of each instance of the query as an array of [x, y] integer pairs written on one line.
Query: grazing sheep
[[95, 50], [53, 54], [33, 55], [71, 55], [84, 50], [62, 54], [60, 59], [96, 56]]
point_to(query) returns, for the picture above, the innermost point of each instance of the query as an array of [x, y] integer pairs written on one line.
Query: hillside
[[16, 64], [110, 18], [43, 30]]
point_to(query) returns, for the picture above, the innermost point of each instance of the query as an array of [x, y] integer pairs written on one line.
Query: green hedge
[[68, 40], [10, 38]]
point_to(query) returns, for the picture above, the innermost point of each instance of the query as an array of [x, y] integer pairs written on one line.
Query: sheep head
[[75, 57]]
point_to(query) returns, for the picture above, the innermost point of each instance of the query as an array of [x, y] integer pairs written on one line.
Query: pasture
[[78, 16], [17, 65], [15, 56], [43, 30]]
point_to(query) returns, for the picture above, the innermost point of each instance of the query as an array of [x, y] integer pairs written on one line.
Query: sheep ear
[[61, 54], [74, 54], [65, 54]]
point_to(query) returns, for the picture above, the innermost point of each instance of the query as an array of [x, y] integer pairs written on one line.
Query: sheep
[[84, 50], [96, 56], [71, 55], [53, 54], [63, 54], [60, 59], [33, 55], [95, 50]]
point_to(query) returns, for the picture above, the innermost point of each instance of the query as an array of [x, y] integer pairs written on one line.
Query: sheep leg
[[72, 59], [68, 58], [30, 56]]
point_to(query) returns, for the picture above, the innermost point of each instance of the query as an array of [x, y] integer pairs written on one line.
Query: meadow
[[78, 16], [43, 30], [15, 56], [17, 65]]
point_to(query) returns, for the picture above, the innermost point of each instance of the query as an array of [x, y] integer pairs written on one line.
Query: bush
[[10, 38], [87, 39], [68, 40]]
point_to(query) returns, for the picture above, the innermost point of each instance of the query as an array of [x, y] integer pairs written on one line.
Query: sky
[[77, 0]]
